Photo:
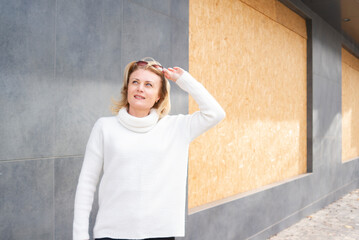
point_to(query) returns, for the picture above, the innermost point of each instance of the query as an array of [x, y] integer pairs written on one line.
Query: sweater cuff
[[184, 79]]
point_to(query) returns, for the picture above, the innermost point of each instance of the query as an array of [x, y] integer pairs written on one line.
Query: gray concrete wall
[[266, 211], [60, 64]]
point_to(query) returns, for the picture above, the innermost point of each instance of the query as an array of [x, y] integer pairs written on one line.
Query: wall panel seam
[[41, 158]]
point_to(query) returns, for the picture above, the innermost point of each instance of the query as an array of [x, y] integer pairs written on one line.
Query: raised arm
[[210, 112]]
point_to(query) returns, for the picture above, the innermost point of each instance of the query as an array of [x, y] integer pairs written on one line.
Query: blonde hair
[[163, 105]]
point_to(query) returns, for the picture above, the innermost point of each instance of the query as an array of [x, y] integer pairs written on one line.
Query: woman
[[143, 153]]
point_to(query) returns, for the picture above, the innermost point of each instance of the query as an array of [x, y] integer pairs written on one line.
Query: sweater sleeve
[[88, 180], [210, 112]]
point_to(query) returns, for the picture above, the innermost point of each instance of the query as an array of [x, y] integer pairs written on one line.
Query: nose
[[140, 87]]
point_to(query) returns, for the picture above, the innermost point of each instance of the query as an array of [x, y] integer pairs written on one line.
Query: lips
[[139, 97]]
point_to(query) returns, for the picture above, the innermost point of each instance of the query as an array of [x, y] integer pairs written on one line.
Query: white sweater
[[142, 192]]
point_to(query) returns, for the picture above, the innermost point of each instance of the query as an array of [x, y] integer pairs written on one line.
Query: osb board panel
[[256, 68], [267, 7], [281, 14], [350, 59], [291, 20], [350, 106]]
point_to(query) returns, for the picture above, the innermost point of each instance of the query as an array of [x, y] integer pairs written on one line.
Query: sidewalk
[[337, 221]]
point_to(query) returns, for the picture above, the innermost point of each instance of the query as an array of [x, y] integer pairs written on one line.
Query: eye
[[134, 82], [148, 84]]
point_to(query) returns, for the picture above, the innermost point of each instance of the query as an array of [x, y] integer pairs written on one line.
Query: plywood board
[[256, 68], [350, 106]]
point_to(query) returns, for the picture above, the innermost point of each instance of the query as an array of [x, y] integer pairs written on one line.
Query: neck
[[138, 113]]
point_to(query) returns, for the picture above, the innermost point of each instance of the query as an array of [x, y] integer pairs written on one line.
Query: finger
[[179, 70], [165, 72], [168, 74]]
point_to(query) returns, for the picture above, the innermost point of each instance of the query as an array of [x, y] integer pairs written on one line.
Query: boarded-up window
[[252, 56], [350, 106]]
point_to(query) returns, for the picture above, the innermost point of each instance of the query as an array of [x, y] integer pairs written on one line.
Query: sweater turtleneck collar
[[136, 124]]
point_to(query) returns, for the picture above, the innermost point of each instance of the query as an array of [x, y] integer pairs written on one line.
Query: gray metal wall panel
[[61, 62], [88, 72], [26, 199], [26, 78]]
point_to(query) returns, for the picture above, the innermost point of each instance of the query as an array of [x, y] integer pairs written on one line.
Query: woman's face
[[142, 92]]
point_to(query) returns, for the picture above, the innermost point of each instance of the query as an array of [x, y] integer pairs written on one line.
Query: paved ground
[[338, 221]]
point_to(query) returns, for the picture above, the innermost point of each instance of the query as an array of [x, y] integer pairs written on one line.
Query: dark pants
[[167, 238]]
